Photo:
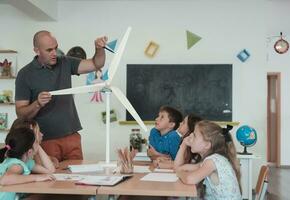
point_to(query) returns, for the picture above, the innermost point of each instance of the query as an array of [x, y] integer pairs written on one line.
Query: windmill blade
[[78, 90], [123, 99], [117, 57]]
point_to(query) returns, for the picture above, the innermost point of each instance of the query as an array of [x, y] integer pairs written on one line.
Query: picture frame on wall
[[151, 49]]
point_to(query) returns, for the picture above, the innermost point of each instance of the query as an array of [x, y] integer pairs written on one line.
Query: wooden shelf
[[221, 123], [7, 77], [7, 51], [11, 103]]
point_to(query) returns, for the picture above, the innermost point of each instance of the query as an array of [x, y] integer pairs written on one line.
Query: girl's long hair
[[192, 119], [17, 143], [221, 143]]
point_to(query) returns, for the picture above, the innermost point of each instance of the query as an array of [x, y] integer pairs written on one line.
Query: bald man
[[57, 116]]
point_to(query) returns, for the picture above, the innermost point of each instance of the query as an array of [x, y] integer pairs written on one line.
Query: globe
[[247, 136]]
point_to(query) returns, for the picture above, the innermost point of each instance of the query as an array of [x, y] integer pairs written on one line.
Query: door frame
[[278, 120]]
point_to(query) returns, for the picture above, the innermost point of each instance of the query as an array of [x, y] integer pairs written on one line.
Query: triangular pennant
[[105, 76], [90, 78], [192, 39], [112, 44]]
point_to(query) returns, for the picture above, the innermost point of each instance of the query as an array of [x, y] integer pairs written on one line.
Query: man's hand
[[43, 98], [101, 42]]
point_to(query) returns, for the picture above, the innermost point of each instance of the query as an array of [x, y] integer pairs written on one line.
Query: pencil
[[109, 49]]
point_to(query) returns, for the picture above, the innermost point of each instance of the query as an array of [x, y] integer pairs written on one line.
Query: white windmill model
[[108, 89]]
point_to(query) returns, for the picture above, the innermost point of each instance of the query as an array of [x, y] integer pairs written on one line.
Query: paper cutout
[[90, 78], [243, 55], [105, 76], [151, 49], [192, 39], [112, 44]]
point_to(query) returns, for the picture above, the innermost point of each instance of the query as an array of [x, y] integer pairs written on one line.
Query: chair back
[[263, 177]]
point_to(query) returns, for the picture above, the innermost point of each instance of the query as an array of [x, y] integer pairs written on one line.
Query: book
[[104, 180], [3, 120]]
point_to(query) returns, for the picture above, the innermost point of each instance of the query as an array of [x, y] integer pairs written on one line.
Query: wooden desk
[[51, 187], [54, 187], [134, 186]]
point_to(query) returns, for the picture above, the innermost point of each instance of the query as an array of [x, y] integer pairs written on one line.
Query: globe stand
[[245, 152]]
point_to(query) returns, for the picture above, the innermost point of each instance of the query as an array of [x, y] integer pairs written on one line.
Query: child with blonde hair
[[219, 168], [17, 161]]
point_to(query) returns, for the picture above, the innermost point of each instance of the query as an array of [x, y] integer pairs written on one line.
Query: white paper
[[69, 177], [163, 170], [142, 154], [160, 177], [141, 169], [85, 168], [141, 158]]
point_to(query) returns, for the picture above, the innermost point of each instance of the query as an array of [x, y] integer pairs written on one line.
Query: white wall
[[226, 27], [278, 22]]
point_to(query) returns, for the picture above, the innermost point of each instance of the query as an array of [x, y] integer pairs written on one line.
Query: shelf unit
[[7, 78]]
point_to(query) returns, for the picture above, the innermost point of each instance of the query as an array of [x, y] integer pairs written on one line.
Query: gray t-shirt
[[59, 117]]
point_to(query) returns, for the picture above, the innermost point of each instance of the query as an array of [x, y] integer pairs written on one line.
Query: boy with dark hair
[[164, 140]]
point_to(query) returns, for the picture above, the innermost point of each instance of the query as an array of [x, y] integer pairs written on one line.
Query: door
[[273, 118]]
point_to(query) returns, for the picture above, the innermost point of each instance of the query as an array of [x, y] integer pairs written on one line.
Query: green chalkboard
[[204, 89]]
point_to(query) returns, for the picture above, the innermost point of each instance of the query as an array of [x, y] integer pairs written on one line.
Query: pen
[[108, 49]]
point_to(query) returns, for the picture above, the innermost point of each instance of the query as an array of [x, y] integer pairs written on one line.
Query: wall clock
[[281, 46]]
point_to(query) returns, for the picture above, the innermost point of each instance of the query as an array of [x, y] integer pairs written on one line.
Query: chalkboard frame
[[213, 83]]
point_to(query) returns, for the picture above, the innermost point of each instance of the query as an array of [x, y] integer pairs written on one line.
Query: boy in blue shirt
[[164, 140]]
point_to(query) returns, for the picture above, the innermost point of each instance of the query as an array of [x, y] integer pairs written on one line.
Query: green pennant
[[192, 39]]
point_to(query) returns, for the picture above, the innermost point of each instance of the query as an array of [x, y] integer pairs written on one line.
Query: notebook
[[103, 180]]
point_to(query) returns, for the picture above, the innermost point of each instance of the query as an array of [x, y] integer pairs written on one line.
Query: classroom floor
[[279, 184]]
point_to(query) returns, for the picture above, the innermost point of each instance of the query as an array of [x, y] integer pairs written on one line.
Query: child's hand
[[44, 177], [186, 141], [151, 151]]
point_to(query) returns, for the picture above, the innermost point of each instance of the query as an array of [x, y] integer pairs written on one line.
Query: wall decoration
[[151, 49], [243, 55], [192, 39], [77, 52], [113, 116], [281, 46], [112, 44]]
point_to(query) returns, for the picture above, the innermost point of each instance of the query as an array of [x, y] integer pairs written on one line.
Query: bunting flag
[[112, 44], [192, 39]]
